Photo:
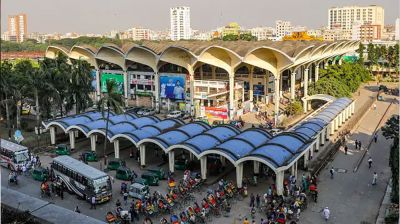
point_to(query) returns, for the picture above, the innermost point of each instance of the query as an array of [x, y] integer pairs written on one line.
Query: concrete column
[[192, 94], [312, 149], [171, 161], [223, 160], [213, 68], [203, 167], [337, 123], [201, 72], [295, 169], [306, 82], [191, 156], [292, 170], [339, 117], [93, 143], [126, 87], [347, 112], [352, 107], [306, 159], [116, 149], [157, 91], [279, 181], [142, 152], [76, 134], [280, 85], [292, 85], [323, 137], [98, 87], [276, 100], [231, 96], [317, 72], [72, 139], [318, 142], [266, 84], [239, 175], [340, 61], [305, 107], [251, 89], [53, 135], [256, 167]]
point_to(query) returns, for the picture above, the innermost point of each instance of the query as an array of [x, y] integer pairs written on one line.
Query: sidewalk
[[350, 196]]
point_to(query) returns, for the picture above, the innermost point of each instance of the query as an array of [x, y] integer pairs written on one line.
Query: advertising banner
[[258, 90], [172, 86], [94, 81], [118, 79], [216, 113]]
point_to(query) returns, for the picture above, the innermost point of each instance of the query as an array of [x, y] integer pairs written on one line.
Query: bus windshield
[[101, 184], [21, 157]]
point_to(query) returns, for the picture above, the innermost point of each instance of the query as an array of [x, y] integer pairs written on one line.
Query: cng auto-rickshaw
[[124, 173], [114, 164], [63, 149], [159, 172], [89, 156], [40, 174], [137, 190], [180, 164], [150, 179]]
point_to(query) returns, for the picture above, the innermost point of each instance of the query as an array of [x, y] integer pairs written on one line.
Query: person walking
[[252, 199], [369, 162], [332, 171], [359, 145], [326, 213], [345, 149], [93, 202], [374, 178], [77, 210], [258, 200], [356, 144], [24, 170], [376, 137], [126, 197]]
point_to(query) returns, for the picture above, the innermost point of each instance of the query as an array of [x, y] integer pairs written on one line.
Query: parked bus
[[12, 154], [82, 179]]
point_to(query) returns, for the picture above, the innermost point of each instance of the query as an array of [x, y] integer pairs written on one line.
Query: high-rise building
[[370, 32], [344, 17], [180, 23], [397, 30], [282, 28], [262, 33], [17, 27]]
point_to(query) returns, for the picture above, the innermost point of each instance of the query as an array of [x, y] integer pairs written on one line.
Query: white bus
[[12, 154], [82, 179]]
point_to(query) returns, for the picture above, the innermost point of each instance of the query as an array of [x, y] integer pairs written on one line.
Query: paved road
[[350, 196]]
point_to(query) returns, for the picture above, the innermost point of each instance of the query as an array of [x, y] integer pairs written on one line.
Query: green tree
[[294, 108], [111, 101], [6, 73], [80, 86], [230, 37], [247, 37], [391, 131], [360, 52]]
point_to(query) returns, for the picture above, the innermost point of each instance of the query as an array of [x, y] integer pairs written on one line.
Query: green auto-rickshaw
[[159, 172], [124, 173], [114, 164], [140, 181], [89, 156], [63, 149], [40, 174], [140, 191], [150, 179], [181, 164]]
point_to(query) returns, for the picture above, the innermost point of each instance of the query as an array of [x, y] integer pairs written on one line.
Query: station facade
[[216, 79]]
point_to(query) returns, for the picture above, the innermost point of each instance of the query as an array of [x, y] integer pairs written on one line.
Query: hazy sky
[[100, 16]]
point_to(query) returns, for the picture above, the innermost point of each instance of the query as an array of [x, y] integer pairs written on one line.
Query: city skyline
[[81, 18]]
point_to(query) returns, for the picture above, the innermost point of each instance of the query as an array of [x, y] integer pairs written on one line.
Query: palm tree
[[6, 73], [111, 101], [80, 86]]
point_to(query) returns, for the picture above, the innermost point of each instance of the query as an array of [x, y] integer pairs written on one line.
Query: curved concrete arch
[[142, 55], [52, 51], [218, 152], [328, 48], [220, 57], [122, 135], [149, 140], [305, 53], [82, 53], [178, 56], [268, 58], [78, 128], [55, 123], [255, 158], [316, 51], [182, 146], [111, 54], [98, 131], [325, 97]]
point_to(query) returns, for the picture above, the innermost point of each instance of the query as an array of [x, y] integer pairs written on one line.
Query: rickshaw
[[174, 219], [180, 164], [139, 191], [114, 164], [89, 156], [63, 149], [124, 173], [159, 172], [40, 174], [150, 179]]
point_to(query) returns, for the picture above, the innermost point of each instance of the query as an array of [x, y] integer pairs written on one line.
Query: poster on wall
[[216, 113], [258, 90], [118, 79], [172, 86], [94, 81]]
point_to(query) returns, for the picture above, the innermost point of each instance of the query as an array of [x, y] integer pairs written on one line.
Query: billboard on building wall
[[118, 79], [216, 113], [172, 86], [94, 81], [258, 90]]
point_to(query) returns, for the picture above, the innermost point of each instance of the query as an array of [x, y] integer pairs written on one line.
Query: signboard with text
[[216, 113], [118, 79]]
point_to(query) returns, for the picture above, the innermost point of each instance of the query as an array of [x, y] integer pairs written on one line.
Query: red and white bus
[[12, 154]]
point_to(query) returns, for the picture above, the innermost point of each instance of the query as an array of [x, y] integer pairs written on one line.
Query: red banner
[[216, 113]]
